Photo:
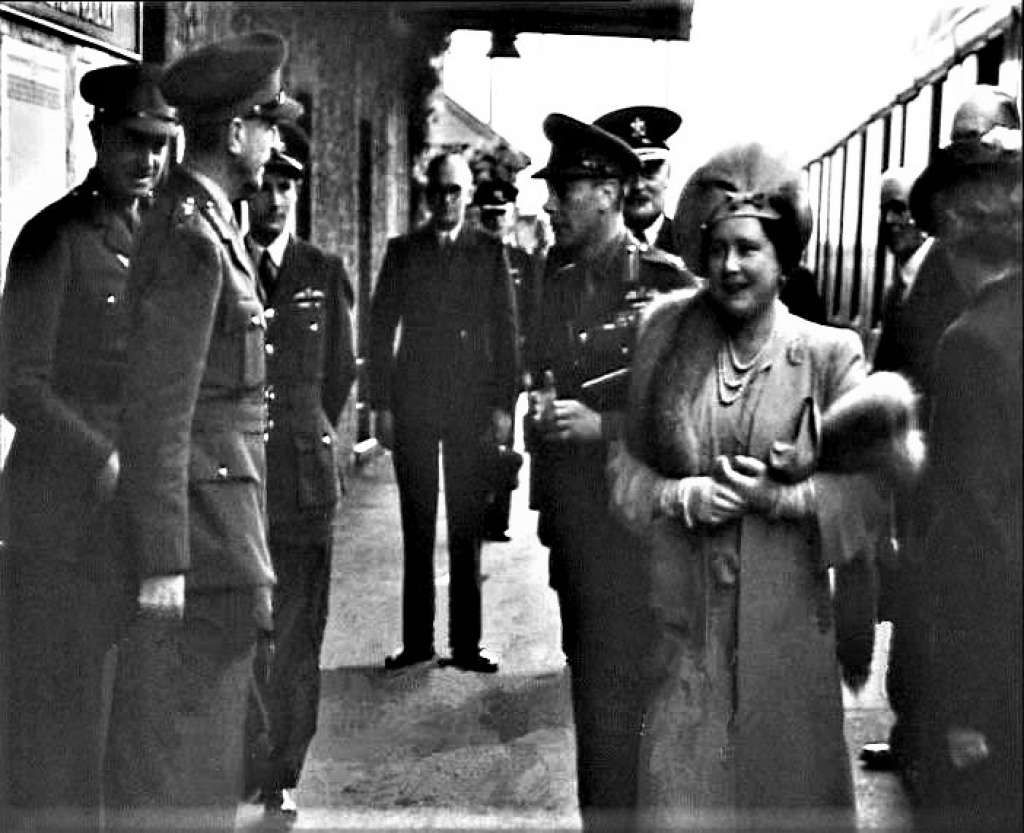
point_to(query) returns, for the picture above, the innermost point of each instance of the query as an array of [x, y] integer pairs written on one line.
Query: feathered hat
[[743, 181]]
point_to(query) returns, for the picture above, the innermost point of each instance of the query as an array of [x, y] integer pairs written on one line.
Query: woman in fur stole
[[744, 724]]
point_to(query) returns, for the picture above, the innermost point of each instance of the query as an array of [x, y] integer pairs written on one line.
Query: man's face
[[272, 205], [576, 208], [129, 162], [448, 193], [899, 231], [258, 138], [645, 194]]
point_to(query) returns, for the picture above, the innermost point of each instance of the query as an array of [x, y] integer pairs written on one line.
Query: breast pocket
[[301, 331], [245, 330]]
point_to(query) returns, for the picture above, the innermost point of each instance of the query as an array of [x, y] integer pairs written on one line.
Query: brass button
[[314, 327], [111, 299], [222, 472], [326, 439], [269, 349]]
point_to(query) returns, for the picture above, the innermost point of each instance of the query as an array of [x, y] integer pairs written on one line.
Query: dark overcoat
[[64, 334], [310, 370], [973, 599]]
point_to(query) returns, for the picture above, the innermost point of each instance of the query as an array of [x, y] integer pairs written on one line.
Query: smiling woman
[[743, 719]]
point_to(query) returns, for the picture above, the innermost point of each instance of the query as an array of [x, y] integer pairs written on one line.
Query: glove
[[750, 479], [700, 501]]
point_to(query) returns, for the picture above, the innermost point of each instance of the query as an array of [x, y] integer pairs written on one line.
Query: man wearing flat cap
[[63, 337], [192, 488], [646, 130], [578, 355], [310, 369]]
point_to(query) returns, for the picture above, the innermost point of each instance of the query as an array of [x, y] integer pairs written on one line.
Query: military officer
[[192, 486], [63, 336], [495, 200], [646, 130], [597, 279], [310, 370]]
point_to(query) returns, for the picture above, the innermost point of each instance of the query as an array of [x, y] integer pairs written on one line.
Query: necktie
[[267, 274]]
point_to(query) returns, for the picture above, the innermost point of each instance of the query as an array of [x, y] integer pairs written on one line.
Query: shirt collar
[[650, 234], [451, 235], [909, 269]]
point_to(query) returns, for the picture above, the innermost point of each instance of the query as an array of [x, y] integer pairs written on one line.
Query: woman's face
[[743, 270]]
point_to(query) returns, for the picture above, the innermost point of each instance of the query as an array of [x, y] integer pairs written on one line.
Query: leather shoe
[[281, 804], [470, 662], [404, 659], [879, 757]]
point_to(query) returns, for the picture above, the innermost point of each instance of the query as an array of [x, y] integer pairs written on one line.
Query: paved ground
[[434, 748]]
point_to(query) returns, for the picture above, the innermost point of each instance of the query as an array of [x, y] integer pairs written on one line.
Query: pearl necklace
[[732, 386]]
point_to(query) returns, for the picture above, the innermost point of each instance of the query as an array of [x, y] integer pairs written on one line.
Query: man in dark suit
[[647, 130], [452, 381], [193, 461], [63, 330], [971, 580], [310, 370], [597, 279]]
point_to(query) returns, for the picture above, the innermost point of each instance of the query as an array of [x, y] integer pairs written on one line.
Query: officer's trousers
[[415, 459], [175, 750], [61, 628], [290, 686]]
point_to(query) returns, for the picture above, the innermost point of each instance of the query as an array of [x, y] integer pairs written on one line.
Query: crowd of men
[[176, 387]]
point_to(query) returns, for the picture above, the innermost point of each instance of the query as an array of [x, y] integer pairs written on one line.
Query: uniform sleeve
[[340, 369], [174, 308], [503, 332], [385, 314], [38, 276]]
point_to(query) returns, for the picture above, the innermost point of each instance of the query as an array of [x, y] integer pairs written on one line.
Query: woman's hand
[[571, 421], [748, 477], [702, 501]]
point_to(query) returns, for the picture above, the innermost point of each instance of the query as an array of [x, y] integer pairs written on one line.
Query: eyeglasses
[[444, 190]]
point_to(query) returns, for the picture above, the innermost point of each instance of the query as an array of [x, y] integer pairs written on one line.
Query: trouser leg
[[176, 746], [292, 690], [415, 458], [465, 492]]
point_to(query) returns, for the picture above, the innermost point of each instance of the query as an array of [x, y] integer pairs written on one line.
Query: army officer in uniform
[[647, 130], [597, 279], [63, 330], [193, 458], [310, 370]]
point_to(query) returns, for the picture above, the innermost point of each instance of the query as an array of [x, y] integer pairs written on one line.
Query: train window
[[918, 130], [873, 256], [837, 184], [812, 254]]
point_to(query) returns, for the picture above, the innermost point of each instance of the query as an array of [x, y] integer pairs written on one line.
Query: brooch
[[796, 352]]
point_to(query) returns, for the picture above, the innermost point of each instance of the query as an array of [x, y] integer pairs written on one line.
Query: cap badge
[[639, 127]]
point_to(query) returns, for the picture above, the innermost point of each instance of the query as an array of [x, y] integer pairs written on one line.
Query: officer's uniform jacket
[[310, 370], [63, 348], [456, 355], [193, 458], [585, 331]]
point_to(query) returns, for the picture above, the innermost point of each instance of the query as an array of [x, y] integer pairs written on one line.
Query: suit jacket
[[456, 355], [193, 457], [63, 327], [310, 370]]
